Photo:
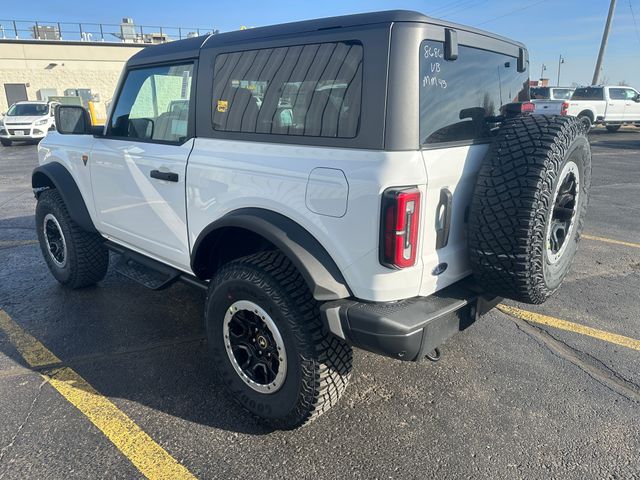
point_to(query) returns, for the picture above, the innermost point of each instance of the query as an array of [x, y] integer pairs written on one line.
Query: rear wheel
[[529, 206], [5, 143], [613, 128], [76, 258], [269, 345], [587, 121]]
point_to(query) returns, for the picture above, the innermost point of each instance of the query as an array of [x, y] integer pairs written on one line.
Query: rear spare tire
[[529, 205], [613, 128]]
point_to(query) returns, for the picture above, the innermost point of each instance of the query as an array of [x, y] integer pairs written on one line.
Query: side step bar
[[147, 271]]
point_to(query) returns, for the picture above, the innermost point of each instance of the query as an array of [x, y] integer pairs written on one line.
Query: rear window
[[311, 90], [588, 93], [540, 93], [562, 93], [460, 99]]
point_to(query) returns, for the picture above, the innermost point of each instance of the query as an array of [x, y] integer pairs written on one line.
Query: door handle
[[443, 218], [168, 176]]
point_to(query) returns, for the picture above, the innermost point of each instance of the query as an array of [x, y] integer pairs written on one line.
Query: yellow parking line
[[611, 240], [16, 243], [570, 326], [151, 459]]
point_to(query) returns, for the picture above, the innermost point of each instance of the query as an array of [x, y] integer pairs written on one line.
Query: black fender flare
[[55, 175], [314, 263]]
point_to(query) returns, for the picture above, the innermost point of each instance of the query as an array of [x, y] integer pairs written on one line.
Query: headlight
[[44, 121]]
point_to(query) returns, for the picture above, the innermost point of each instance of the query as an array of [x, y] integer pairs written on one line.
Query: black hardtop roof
[[189, 48]]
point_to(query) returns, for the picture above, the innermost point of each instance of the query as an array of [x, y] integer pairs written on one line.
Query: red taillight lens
[[527, 107], [400, 222], [564, 108]]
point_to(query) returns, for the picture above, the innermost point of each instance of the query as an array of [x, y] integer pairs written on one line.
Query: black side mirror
[[73, 119], [637, 99]]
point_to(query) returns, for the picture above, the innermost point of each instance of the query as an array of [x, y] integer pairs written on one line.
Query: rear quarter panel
[[224, 175]]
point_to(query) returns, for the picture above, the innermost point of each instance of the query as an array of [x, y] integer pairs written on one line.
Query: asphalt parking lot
[[555, 395]]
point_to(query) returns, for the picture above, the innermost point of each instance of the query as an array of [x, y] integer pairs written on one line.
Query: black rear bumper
[[407, 329]]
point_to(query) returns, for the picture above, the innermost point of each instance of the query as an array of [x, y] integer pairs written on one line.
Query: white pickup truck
[[611, 106], [550, 100]]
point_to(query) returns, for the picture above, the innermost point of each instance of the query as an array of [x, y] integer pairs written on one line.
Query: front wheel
[[268, 343], [5, 143], [76, 258]]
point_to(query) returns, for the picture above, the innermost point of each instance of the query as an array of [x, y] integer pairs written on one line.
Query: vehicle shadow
[[143, 349], [628, 139]]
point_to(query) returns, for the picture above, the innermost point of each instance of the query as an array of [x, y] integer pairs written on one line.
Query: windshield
[[28, 110], [461, 100]]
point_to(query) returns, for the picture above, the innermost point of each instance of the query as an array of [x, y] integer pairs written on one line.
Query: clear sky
[[549, 28]]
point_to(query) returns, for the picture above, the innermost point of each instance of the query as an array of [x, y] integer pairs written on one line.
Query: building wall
[[78, 65]]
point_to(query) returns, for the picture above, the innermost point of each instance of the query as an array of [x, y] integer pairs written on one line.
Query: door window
[[630, 94], [311, 90], [617, 94], [154, 104]]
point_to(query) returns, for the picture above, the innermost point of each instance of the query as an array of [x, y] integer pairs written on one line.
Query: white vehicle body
[[333, 193], [27, 121], [611, 105], [550, 100]]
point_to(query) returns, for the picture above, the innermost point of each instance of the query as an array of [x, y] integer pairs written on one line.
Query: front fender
[[55, 175]]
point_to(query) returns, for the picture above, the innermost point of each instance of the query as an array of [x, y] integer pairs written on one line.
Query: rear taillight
[[399, 229], [527, 107], [564, 108]]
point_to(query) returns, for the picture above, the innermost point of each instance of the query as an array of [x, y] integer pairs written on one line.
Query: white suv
[[368, 181], [26, 122]]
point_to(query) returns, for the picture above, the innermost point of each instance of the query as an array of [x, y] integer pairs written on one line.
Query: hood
[[30, 119]]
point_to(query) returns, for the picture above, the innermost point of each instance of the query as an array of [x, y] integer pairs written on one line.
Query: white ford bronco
[[366, 181]]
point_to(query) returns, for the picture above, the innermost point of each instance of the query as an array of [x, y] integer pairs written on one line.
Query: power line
[[512, 12], [463, 7], [445, 7], [634, 21]]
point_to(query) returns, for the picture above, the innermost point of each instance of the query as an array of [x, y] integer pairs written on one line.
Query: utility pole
[[544, 67], [560, 62], [603, 45]]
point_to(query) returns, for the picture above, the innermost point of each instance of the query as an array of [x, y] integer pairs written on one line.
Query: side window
[[617, 94], [154, 104], [630, 94], [311, 90]]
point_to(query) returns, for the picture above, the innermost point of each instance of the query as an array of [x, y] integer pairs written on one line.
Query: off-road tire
[[5, 143], [87, 259], [318, 363], [613, 128], [511, 207]]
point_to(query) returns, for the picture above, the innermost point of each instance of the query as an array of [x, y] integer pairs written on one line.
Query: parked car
[[612, 106], [26, 122], [550, 100], [329, 184]]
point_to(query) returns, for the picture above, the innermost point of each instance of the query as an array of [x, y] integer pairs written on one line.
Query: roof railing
[[126, 32]]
